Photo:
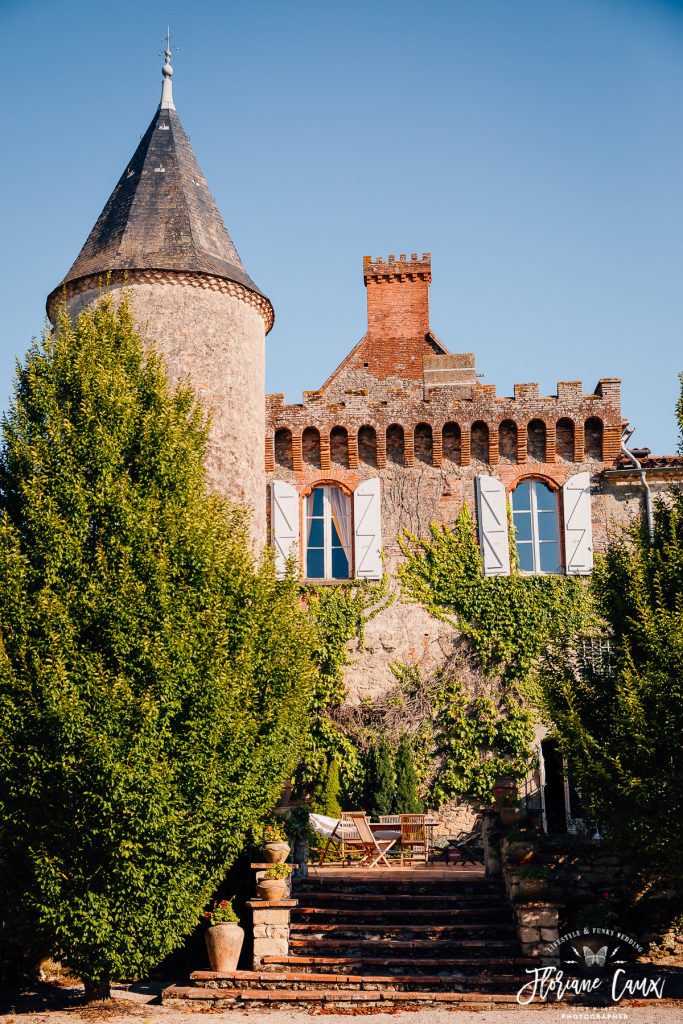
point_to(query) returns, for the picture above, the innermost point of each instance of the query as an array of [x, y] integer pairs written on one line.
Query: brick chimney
[[398, 336], [398, 295]]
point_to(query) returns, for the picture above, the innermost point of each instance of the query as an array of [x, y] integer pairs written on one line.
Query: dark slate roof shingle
[[161, 215]]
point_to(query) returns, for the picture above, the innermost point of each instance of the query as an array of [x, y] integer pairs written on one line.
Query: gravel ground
[[138, 1007]]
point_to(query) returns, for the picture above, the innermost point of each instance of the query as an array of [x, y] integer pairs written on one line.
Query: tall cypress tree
[[379, 780], [154, 682], [406, 799]]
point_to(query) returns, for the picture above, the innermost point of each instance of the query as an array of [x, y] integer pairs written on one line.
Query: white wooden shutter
[[493, 526], [578, 526], [284, 523], [367, 519]]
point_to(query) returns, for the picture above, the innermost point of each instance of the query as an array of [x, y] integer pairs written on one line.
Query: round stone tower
[[160, 236]]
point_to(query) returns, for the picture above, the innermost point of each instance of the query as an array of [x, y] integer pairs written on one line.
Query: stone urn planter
[[224, 945], [272, 889], [276, 852]]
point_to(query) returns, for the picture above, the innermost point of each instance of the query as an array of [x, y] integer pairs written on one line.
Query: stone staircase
[[356, 941]]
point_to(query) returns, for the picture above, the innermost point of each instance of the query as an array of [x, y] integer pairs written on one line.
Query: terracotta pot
[[272, 889], [224, 944], [277, 852]]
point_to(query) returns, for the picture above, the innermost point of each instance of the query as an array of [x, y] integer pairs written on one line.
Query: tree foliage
[[154, 684], [620, 719], [379, 780], [406, 797]]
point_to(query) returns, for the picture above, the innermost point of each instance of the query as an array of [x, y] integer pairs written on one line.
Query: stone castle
[[399, 436]]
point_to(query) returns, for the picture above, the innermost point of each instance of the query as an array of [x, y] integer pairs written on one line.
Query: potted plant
[[534, 877], [273, 886], [274, 841], [224, 937]]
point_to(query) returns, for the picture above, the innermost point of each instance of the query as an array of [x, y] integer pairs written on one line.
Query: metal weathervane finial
[[167, 73]]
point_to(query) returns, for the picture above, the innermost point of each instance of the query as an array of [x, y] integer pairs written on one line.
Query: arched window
[[507, 441], [480, 442], [310, 447], [395, 444], [537, 527], [594, 438], [451, 443], [535, 441], [423, 443], [565, 440], [339, 447], [367, 446], [283, 448], [328, 537]]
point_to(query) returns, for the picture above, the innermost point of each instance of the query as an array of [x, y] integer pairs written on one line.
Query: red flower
[[224, 903]]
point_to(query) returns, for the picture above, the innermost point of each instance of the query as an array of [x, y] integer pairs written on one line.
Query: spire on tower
[[167, 74]]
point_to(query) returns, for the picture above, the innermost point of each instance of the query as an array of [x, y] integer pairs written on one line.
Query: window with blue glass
[[328, 534], [535, 515]]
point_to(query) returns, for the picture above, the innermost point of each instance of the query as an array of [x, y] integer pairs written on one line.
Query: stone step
[[329, 998], [400, 982], [360, 928], [442, 947], [396, 964], [467, 914], [443, 899]]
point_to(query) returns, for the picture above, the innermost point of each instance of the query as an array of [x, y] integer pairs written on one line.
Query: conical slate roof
[[161, 215]]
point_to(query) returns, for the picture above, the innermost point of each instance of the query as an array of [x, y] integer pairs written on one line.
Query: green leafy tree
[[325, 799], [406, 798], [379, 780], [619, 711], [679, 416], [154, 682]]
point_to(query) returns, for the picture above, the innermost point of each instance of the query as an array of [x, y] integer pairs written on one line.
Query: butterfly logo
[[595, 959]]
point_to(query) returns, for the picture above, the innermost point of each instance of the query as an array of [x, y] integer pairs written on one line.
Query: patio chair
[[374, 850], [342, 837], [468, 843], [414, 843], [389, 819]]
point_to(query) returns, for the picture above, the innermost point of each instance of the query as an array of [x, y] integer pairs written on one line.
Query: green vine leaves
[[509, 621]]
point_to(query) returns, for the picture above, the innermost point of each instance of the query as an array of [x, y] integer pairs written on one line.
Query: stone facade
[[215, 340], [403, 409]]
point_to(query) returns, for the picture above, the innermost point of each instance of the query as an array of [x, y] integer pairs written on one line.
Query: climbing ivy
[[478, 739], [509, 621], [339, 614], [509, 624]]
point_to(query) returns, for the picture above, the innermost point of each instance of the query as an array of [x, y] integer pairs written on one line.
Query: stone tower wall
[[211, 334]]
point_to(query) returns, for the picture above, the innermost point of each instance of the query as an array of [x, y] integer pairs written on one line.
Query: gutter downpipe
[[646, 488]]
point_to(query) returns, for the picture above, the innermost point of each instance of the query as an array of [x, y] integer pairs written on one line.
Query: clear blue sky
[[535, 147]]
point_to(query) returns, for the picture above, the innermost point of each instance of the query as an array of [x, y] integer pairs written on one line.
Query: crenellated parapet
[[526, 427]]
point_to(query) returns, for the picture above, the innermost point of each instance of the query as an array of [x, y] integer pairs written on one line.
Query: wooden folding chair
[[413, 837], [344, 838], [374, 850]]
